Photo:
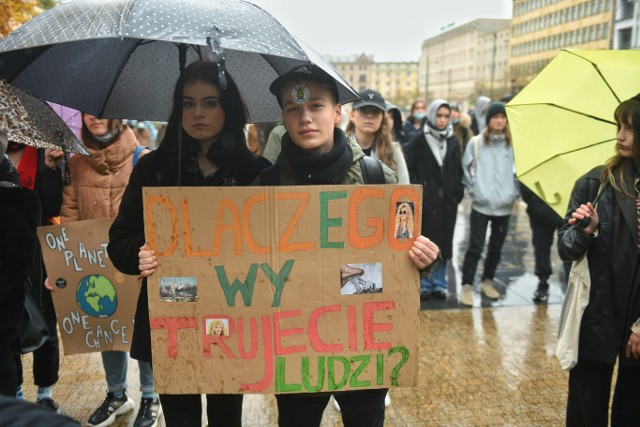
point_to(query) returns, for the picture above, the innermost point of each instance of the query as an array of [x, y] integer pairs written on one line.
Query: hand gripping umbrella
[[562, 122], [121, 58]]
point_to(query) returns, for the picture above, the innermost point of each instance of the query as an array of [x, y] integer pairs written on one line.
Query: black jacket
[[126, 236], [443, 189], [614, 297], [537, 209]]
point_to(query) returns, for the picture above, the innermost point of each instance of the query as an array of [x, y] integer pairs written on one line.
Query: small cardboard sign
[[283, 289], [94, 302]]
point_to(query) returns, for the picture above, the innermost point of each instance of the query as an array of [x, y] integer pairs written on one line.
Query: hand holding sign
[[148, 261]]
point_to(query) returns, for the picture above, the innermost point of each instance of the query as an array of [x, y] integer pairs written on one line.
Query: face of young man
[[309, 113]]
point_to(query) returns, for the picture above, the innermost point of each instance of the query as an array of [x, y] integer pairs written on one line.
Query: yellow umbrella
[[562, 122]]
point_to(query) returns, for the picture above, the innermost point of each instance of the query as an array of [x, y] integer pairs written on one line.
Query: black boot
[[541, 295]]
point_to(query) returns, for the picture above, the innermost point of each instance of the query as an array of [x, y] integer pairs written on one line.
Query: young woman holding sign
[[214, 153]]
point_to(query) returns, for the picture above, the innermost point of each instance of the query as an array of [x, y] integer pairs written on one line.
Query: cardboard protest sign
[[283, 289], [94, 302]]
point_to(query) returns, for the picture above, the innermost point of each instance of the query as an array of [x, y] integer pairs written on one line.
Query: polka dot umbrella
[[121, 58]]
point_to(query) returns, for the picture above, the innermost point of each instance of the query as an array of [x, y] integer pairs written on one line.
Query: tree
[[14, 13]]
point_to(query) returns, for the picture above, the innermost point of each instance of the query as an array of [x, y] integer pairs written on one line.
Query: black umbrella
[[121, 58]]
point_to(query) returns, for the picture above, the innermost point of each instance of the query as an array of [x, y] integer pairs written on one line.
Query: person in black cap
[[369, 127], [316, 152], [488, 166]]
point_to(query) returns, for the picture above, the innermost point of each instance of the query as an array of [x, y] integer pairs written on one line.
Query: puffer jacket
[[98, 182], [614, 296]]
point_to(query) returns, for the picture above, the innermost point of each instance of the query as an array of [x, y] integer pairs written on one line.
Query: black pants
[[358, 408], [185, 410], [542, 239], [589, 390], [477, 231], [8, 371], [46, 359]]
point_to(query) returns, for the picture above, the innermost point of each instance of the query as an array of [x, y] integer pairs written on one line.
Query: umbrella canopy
[[29, 120], [120, 58], [72, 117], [562, 122]]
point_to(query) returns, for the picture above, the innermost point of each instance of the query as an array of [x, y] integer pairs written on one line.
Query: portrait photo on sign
[[178, 289], [404, 220], [219, 327], [360, 278]]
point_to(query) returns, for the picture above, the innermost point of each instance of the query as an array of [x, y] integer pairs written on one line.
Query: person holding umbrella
[[214, 153], [95, 191], [610, 325], [316, 152]]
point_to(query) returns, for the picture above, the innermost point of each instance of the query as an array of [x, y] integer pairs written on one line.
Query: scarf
[[327, 168], [28, 165], [497, 139], [437, 146]]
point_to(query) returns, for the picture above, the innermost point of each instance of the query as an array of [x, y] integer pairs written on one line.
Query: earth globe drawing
[[97, 296]]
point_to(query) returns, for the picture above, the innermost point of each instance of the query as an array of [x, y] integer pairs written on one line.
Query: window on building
[[598, 32], [591, 34], [579, 13]]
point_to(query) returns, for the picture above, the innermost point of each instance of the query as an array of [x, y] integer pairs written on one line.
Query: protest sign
[[94, 302], [283, 289]]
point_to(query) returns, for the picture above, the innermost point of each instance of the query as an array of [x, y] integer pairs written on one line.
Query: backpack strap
[[136, 154], [372, 172]]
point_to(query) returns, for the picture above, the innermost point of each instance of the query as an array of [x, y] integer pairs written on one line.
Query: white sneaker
[[466, 295], [488, 290], [387, 400], [335, 403]]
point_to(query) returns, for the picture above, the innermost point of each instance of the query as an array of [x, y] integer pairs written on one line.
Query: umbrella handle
[[556, 196]]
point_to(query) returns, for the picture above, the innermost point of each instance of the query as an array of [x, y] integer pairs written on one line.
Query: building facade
[[466, 61], [540, 28], [396, 81], [626, 32]]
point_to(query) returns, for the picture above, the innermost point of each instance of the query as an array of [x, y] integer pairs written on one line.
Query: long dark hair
[[628, 112], [230, 150]]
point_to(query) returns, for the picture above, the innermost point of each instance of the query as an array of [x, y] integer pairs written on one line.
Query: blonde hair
[[211, 330], [409, 209], [383, 144]]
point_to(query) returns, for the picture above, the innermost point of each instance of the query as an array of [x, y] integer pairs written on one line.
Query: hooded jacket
[[490, 176], [98, 182]]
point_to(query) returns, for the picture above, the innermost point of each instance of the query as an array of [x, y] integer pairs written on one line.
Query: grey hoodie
[[490, 179]]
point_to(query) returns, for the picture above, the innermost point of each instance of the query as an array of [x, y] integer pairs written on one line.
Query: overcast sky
[[393, 32]]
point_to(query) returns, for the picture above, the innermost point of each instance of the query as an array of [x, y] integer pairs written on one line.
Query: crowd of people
[[449, 152]]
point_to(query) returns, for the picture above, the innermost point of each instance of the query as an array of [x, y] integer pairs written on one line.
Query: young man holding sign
[[315, 152]]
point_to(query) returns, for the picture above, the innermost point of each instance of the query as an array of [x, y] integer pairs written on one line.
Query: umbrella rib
[[595, 66], [564, 153], [116, 77], [551, 104]]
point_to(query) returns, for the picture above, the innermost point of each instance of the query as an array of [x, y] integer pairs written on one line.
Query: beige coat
[[98, 182]]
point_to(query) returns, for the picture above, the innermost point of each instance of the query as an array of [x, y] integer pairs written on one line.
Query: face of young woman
[[96, 126], [202, 114], [367, 119], [625, 140], [498, 123], [442, 117], [310, 124], [217, 330]]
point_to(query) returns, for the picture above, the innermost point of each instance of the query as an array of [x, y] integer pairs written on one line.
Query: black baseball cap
[[370, 97], [303, 73]]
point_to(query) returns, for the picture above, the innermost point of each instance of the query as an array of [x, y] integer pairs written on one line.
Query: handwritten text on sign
[[289, 289]]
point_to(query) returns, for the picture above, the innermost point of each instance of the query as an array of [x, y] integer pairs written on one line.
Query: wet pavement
[[490, 365]]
